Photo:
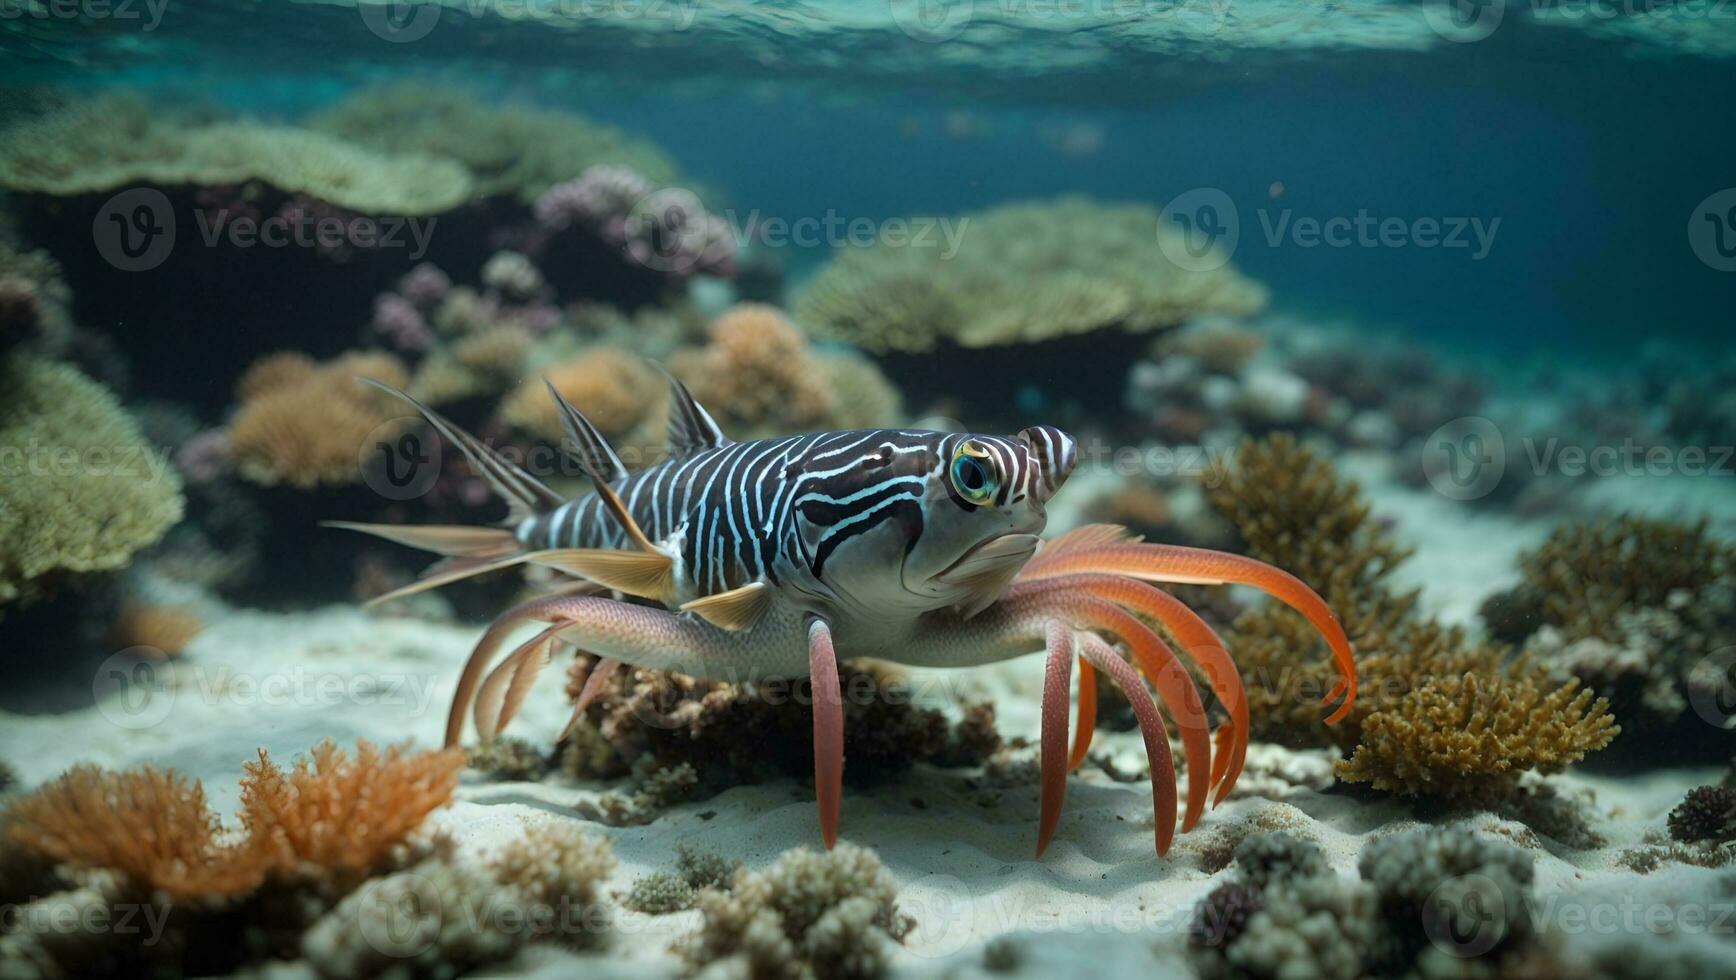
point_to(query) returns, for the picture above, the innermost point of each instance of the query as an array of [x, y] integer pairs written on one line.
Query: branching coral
[[558, 870], [149, 825], [664, 229], [1021, 273], [341, 815], [1636, 607], [1436, 715], [117, 141], [80, 491], [1469, 737], [307, 425], [507, 150], [1708, 813], [810, 914]]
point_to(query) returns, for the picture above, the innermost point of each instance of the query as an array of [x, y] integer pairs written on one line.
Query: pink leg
[[593, 686], [828, 729], [1057, 677], [1104, 657]]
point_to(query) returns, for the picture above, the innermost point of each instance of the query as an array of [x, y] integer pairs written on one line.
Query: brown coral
[[338, 814], [149, 825], [758, 376], [163, 630], [615, 389], [1471, 737], [305, 424]]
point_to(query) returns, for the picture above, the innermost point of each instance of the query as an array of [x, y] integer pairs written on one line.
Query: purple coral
[[401, 323], [425, 286], [666, 229], [205, 456]]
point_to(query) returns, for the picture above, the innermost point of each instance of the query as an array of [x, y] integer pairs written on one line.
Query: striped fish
[[852, 525]]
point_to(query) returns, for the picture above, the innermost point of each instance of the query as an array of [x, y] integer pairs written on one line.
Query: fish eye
[[973, 478]]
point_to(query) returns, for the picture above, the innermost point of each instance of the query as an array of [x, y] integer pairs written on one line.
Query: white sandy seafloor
[[1099, 899]]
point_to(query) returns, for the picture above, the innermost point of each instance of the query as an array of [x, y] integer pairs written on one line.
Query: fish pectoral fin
[[734, 610], [647, 574]]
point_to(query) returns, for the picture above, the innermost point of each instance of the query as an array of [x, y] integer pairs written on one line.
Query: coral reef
[[506, 150], [305, 424], [1635, 607], [662, 892], [118, 141], [670, 718], [662, 229], [618, 391], [1707, 814], [1021, 273], [1437, 714], [164, 631], [1430, 902], [827, 915], [759, 377], [80, 491]]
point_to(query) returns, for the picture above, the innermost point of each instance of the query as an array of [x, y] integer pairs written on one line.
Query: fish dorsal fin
[[691, 427], [736, 609], [588, 445], [648, 574], [525, 495]]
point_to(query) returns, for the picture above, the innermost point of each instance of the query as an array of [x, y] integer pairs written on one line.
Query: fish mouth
[[989, 557]]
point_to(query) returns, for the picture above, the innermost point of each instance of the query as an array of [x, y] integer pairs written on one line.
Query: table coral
[[1021, 273], [515, 151], [114, 141], [80, 491]]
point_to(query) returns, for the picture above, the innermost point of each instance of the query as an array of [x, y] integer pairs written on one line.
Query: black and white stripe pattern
[[778, 510]]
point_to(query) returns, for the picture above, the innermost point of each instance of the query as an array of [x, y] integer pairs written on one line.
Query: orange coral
[[615, 389], [340, 814], [336, 816], [164, 629], [306, 424], [150, 825]]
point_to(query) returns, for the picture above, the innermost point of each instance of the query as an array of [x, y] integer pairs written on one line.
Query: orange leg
[[1199, 641], [1175, 564], [1057, 671], [1086, 725]]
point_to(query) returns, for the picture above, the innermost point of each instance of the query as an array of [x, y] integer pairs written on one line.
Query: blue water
[[1581, 156]]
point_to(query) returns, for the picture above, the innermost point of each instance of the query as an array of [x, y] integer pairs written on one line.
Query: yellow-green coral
[[80, 490], [1457, 736], [1022, 272], [1435, 714], [115, 141], [506, 149]]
